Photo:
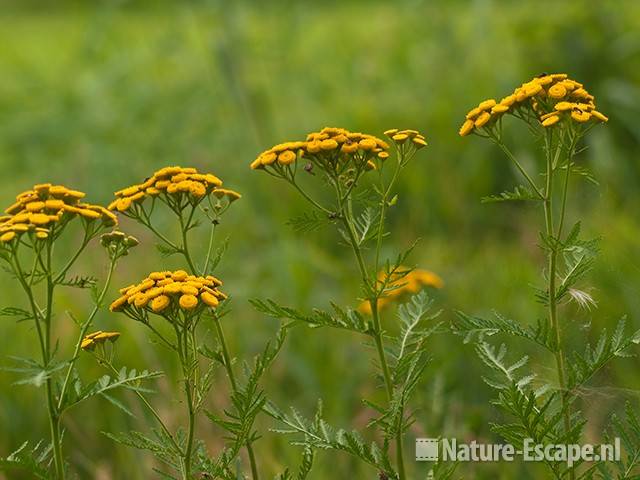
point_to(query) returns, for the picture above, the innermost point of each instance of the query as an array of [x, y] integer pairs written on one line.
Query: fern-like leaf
[[34, 460], [318, 434]]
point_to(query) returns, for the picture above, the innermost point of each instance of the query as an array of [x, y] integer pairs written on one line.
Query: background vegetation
[[98, 97]]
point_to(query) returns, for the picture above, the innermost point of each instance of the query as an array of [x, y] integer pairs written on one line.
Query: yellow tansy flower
[[400, 285]]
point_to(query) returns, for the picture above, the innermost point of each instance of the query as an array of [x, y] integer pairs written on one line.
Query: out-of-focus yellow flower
[[90, 341], [401, 136], [401, 284], [231, 195]]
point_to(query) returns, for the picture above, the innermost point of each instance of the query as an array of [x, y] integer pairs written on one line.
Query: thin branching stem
[[147, 404], [519, 166], [54, 416], [35, 310], [184, 227], [187, 366], [207, 260], [85, 241], [83, 331], [234, 387], [386, 191], [345, 216], [377, 333], [308, 198], [554, 242], [145, 219]]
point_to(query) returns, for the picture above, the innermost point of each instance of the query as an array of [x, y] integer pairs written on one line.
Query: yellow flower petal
[[482, 119], [188, 302], [287, 157], [160, 303], [466, 128], [209, 299]]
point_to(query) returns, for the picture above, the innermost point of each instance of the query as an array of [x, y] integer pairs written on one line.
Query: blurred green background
[[97, 95]]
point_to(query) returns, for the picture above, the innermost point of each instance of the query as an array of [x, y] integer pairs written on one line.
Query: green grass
[[99, 97]]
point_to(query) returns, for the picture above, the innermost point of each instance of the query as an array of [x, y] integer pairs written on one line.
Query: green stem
[[377, 334], [17, 269], [552, 262], [150, 408], [387, 381], [566, 185], [147, 223], [234, 387], [54, 417], [383, 211], [207, 259], [85, 241], [184, 360], [520, 167], [355, 247], [56, 440], [83, 331], [376, 316], [54, 425], [308, 198], [184, 227]]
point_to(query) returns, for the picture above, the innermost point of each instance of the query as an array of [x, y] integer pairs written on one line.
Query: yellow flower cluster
[[118, 238], [332, 145], [39, 209], [401, 284], [578, 112], [90, 341], [163, 292], [174, 183], [402, 136], [551, 97]]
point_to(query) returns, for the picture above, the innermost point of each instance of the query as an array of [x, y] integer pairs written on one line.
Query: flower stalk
[[343, 158], [560, 111], [183, 191]]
